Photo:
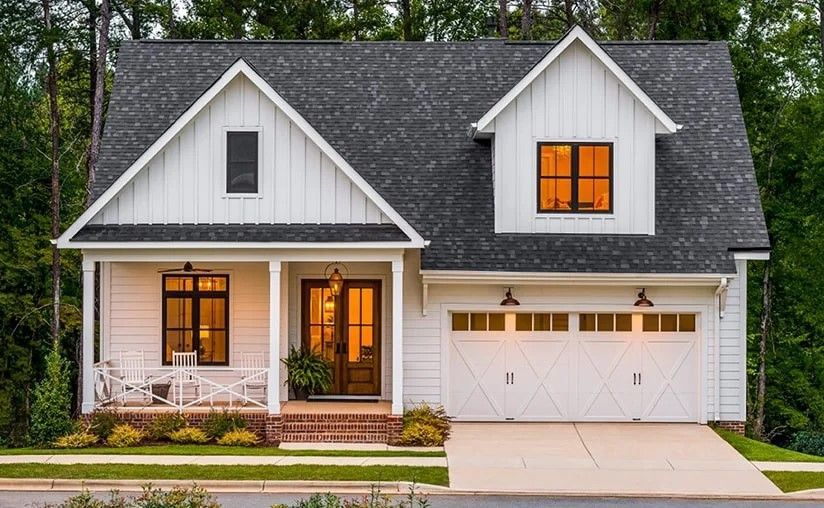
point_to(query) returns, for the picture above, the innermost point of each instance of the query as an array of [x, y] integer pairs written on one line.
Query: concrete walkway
[[813, 467], [224, 460], [600, 459]]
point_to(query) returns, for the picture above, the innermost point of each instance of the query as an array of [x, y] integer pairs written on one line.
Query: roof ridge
[[473, 41]]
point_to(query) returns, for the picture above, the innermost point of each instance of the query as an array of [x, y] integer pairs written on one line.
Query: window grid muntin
[[194, 297], [574, 205]]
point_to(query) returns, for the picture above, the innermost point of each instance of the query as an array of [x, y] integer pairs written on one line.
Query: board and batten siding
[[186, 182], [576, 99], [426, 337]]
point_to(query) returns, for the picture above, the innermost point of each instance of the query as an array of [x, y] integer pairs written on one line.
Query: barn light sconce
[[335, 279], [508, 300], [642, 300]]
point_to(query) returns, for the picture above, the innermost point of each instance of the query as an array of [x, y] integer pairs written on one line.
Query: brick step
[[333, 437], [334, 427], [325, 418]]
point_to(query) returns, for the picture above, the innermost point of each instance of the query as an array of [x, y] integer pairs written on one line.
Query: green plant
[[51, 410], [103, 422], [177, 497], [239, 437], [375, 499], [424, 425], [189, 435], [125, 435], [164, 424], [308, 372], [808, 442], [82, 439], [217, 424]]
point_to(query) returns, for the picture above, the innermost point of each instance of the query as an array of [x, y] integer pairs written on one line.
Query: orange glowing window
[[574, 178]]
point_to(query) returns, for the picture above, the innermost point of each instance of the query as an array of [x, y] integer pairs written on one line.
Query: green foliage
[[164, 425], [103, 422], [375, 499], [808, 442], [307, 371], [177, 497], [238, 438], [124, 435], [219, 423], [51, 411], [424, 425], [80, 439], [189, 435]]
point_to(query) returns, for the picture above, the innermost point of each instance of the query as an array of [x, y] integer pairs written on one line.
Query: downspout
[[720, 303]]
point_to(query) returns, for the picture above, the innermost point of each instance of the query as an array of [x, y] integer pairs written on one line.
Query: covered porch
[[194, 330]]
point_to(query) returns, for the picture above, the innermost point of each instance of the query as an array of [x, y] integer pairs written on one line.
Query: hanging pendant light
[[509, 300], [336, 278], [642, 300]]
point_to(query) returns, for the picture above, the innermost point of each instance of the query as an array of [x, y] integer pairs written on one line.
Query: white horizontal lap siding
[[186, 182], [133, 312], [733, 350], [577, 99]]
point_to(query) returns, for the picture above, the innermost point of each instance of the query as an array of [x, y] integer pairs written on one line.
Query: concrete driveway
[[599, 458]]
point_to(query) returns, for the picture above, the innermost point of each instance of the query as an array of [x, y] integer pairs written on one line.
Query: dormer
[[573, 146]]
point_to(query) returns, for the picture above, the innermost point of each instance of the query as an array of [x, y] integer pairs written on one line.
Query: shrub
[[375, 499], [81, 439], [125, 435], [219, 423], [51, 409], [164, 424], [238, 437], [424, 425], [189, 435], [808, 442], [177, 497], [103, 422]]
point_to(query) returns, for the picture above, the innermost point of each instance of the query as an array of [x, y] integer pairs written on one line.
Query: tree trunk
[[92, 25], [761, 385], [526, 20], [503, 28], [54, 131], [569, 13], [97, 105], [406, 19], [821, 27], [171, 30], [654, 17]]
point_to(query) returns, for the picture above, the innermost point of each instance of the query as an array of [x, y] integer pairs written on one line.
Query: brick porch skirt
[[737, 427], [296, 427]]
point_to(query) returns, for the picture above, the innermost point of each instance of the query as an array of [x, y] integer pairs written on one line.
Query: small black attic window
[[242, 162]]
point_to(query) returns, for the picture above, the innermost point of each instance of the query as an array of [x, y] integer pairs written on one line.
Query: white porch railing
[[212, 384]]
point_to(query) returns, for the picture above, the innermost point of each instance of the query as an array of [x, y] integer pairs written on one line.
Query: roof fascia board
[[235, 245], [239, 67], [754, 255], [485, 124], [228, 255], [571, 278]]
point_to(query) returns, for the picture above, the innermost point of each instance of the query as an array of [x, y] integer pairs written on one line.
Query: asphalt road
[[39, 499]]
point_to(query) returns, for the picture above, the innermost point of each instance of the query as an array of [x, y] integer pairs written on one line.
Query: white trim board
[[237, 68], [532, 278], [665, 124]]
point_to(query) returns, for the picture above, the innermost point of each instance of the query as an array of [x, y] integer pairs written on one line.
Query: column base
[[274, 429]]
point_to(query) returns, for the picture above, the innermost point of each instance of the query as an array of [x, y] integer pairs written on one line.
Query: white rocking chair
[[185, 365], [253, 375], [133, 377]]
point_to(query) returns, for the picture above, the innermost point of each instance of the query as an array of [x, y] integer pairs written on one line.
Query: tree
[[99, 82]]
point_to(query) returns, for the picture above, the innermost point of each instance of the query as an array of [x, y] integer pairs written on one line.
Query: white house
[[237, 176]]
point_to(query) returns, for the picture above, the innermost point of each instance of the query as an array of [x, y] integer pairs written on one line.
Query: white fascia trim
[[138, 246], [531, 278], [576, 34], [752, 255], [239, 67]]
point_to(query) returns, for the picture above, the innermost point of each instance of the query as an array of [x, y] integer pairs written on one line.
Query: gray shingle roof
[[399, 114], [242, 233]]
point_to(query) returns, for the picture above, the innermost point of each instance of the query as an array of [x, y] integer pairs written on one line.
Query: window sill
[[575, 215], [242, 196]]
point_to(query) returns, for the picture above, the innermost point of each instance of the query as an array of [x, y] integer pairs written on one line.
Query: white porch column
[[397, 337], [88, 337], [273, 390]]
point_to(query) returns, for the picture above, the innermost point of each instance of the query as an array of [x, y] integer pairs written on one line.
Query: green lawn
[[792, 481], [216, 450], [428, 475], [752, 449]]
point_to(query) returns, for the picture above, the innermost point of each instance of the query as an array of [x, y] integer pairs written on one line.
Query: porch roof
[[241, 233]]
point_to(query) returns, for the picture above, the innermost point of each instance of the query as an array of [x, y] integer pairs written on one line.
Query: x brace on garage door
[[582, 370]]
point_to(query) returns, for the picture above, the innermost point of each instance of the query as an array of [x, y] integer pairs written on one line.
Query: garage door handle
[[639, 378], [513, 377], [507, 378], [634, 379]]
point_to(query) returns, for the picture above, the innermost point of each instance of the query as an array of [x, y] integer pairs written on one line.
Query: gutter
[[721, 304], [542, 278]]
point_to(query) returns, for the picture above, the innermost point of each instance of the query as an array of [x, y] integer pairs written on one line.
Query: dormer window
[[574, 177], [242, 162]]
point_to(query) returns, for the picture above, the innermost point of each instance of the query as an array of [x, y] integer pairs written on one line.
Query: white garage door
[[574, 367]]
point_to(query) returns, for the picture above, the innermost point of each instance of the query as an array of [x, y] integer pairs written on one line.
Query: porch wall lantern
[[329, 304], [642, 300], [509, 300], [335, 279]]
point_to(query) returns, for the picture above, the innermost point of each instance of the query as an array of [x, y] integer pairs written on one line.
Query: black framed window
[[575, 177], [242, 162], [196, 317]]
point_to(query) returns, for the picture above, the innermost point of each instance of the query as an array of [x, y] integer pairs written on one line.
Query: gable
[[186, 184]]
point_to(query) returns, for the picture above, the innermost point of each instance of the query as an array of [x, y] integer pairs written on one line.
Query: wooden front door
[[346, 331]]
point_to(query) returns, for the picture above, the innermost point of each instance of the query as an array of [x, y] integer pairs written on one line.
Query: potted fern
[[308, 373]]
